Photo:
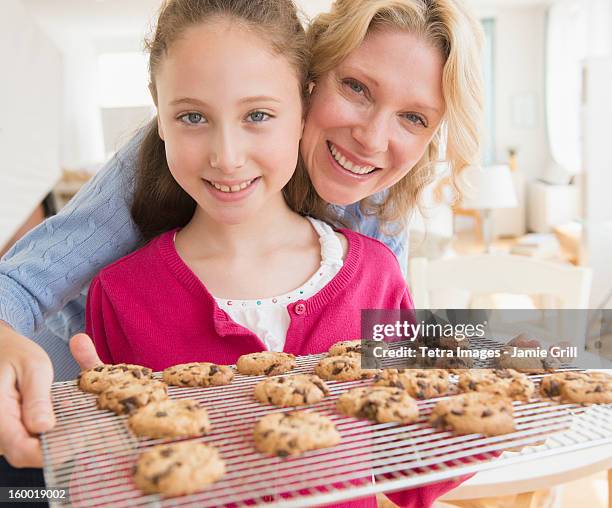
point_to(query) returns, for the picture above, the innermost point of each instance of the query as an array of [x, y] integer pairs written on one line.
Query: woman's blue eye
[[355, 86], [192, 118], [258, 116], [415, 119]]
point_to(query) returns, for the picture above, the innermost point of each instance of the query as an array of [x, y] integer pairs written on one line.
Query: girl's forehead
[[221, 59]]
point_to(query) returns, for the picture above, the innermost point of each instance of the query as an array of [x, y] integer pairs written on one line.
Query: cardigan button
[[300, 308]]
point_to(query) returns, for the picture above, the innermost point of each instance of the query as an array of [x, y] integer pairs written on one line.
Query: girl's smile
[[231, 191]]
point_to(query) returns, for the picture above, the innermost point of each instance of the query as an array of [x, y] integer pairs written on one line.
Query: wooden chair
[[500, 273], [505, 273]]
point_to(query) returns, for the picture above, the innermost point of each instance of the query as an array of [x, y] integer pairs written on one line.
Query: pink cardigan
[[149, 308]]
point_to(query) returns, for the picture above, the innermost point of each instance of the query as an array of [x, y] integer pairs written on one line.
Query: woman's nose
[[227, 153], [373, 134]]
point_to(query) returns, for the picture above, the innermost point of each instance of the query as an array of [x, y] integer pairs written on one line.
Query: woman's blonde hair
[[448, 26]]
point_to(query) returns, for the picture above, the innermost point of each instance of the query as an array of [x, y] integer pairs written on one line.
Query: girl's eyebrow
[[197, 102]]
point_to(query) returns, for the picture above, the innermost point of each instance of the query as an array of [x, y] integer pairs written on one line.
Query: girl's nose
[[373, 133], [227, 154]]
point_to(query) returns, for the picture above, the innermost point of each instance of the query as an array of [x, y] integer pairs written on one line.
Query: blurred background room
[[75, 90], [532, 230]]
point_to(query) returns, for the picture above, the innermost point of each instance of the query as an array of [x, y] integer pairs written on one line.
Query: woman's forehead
[[401, 63]]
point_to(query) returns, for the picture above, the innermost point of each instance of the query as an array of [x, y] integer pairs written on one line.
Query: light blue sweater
[[45, 276]]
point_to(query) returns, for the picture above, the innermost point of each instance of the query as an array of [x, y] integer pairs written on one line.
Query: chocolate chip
[[486, 412], [213, 370], [99, 368], [420, 394], [161, 414], [282, 453], [457, 412], [336, 371], [473, 385], [598, 389], [270, 369], [129, 404], [166, 452], [137, 374], [369, 410]]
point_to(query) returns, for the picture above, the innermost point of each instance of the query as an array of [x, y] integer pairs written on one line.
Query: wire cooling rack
[[91, 452]]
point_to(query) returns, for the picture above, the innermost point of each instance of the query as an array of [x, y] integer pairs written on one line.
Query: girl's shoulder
[[142, 260]]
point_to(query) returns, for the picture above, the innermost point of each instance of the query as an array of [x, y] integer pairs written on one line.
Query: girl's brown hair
[[160, 204], [448, 26]]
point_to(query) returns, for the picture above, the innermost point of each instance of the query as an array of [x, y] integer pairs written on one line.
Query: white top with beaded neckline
[[268, 318]]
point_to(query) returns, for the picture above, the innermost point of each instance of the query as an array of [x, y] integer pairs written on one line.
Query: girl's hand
[[84, 351]]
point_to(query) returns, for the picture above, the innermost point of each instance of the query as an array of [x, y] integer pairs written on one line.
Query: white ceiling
[[67, 20]]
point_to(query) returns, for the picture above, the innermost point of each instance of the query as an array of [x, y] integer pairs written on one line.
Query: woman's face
[[372, 117]]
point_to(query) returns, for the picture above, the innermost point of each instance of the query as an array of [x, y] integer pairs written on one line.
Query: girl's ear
[[160, 130]]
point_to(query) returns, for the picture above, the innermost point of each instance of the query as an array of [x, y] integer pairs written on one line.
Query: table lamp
[[485, 189]]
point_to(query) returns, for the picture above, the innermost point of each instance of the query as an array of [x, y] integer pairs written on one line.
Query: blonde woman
[[388, 77]]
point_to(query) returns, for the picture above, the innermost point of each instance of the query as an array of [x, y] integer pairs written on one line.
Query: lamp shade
[[487, 188]]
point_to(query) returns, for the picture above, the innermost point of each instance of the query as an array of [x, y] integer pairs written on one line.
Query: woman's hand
[[26, 374]]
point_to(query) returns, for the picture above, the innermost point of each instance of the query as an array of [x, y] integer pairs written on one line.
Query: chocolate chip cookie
[[285, 391], [343, 368], [503, 382], [382, 404], [99, 378], [285, 434], [526, 364], [345, 348], [178, 469], [268, 363], [578, 387], [170, 418], [123, 398], [418, 383], [198, 374], [480, 413]]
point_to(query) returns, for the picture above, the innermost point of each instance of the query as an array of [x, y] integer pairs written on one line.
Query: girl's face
[[372, 117], [230, 114]]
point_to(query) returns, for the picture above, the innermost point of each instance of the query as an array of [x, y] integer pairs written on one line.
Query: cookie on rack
[[454, 364], [474, 413], [123, 398], [504, 382], [285, 434], [525, 364], [382, 404], [178, 469], [101, 377], [268, 363], [578, 387], [170, 418], [454, 343], [343, 368], [198, 374], [418, 383], [345, 348], [297, 390]]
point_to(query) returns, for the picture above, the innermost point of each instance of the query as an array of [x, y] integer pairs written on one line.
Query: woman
[[387, 75]]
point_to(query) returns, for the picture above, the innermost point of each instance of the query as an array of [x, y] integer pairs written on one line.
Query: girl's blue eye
[[258, 116], [193, 118]]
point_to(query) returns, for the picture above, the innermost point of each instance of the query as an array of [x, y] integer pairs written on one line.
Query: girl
[[228, 80]]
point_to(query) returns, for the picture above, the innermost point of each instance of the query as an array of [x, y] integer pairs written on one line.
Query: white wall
[[30, 116], [519, 85]]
